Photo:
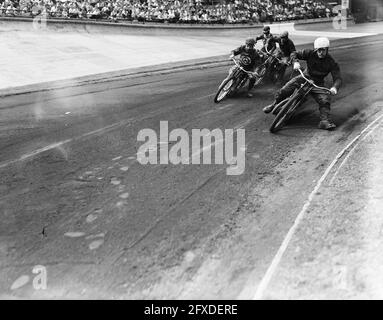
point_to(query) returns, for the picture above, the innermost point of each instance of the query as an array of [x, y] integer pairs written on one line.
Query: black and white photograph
[[184, 150]]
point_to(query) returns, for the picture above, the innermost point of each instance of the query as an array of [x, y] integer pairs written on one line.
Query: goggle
[[321, 49]]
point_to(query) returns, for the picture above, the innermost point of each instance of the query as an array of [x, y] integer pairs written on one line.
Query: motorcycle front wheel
[[285, 112], [261, 72], [224, 89]]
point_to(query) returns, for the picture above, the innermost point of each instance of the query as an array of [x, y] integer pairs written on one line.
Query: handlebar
[[267, 51], [248, 72], [313, 84], [273, 55]]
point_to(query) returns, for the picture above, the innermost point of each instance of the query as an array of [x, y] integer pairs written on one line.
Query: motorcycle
[[287, 108], [269, 69], [273, 65], [238, 78]]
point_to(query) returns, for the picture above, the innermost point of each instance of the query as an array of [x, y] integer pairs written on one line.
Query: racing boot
[[325, 122], [326, 125], [269, 108]]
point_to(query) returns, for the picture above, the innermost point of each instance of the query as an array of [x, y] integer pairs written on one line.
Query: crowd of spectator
[[171, 11]]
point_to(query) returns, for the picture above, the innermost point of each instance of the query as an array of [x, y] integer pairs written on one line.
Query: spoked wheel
[[224, 90], [286, 109], [262, 72]]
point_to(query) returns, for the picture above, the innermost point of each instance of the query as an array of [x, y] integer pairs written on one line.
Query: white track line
[[226, 106], [203, 97], [351, 152], [243, 124], [61, 143], [277, 258]]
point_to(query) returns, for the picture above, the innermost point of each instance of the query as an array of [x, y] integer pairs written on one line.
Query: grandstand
[[172, 11]]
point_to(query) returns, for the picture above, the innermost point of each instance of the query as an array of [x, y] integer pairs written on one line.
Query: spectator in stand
[[73, 10]]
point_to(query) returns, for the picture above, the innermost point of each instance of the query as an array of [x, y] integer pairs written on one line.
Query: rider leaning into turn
[[286, 48], [249, 59], [268, 40], [319, 64]]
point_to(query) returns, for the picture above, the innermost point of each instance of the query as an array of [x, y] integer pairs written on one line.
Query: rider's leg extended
[[324, 102], [286, 91]]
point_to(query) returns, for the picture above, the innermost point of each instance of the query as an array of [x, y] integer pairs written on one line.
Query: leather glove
[[296, 66], [333, 91], [284, 61]]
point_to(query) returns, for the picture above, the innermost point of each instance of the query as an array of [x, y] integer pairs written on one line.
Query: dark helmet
[[285, 34], [250, 41], [266, 29]]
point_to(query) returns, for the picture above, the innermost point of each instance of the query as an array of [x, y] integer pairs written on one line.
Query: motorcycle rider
[[268, 40], [249, 59], [269, 46], [286, 48], [319, 64]]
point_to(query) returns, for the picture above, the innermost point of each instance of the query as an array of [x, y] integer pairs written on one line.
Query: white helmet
[[321, 43]]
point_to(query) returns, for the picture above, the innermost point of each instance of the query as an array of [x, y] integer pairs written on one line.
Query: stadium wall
[[86, 26]]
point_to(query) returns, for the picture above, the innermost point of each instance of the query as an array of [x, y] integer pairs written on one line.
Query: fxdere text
[[192, 310]]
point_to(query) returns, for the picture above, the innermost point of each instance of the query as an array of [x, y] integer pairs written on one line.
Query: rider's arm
[[300, 55], [237, 50], [292, 46], [291, 49], [259, 37], [273, 43]]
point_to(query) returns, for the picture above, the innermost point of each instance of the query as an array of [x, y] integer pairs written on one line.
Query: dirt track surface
[[106, 226]]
